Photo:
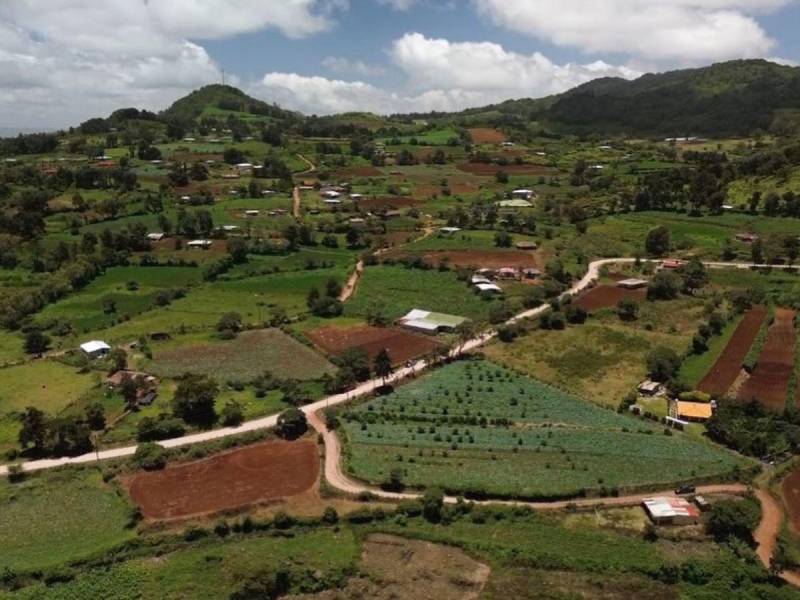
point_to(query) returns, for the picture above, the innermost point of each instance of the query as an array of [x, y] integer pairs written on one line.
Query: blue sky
[[62, 61]]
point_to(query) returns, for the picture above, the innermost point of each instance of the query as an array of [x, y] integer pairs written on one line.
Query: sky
[[63, 61]]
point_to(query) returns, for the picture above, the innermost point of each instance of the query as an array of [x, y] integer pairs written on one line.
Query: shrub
[[150, 457]]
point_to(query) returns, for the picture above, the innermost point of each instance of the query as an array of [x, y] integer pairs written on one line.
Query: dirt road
[[296, 202]]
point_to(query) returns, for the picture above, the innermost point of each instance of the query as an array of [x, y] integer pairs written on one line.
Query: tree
[[237, 249], [96, 416], [232, 414], [465, 332], [694, 276], [34, 428], [757, 252], [118, 359], [194, 400], [395, 481], [36, 342], [733, 519], [662, 363], [663, 286], [150, 457], [292, 423], [432, 504], [130, 392], [627, 309], [657, 242], [382, 365], [355, 361], [503, 239], [333, 289], [230, 322]]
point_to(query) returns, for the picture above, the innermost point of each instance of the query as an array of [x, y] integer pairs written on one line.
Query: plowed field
[[725, 371], [769, 382], [487, 135], [606, 296], [401, 345], [239, 478]]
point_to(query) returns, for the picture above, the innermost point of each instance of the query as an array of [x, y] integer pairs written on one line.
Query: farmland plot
[[247, 356], [476, 427], [769, 382], [606, 296], [729, 364], [401, 345]]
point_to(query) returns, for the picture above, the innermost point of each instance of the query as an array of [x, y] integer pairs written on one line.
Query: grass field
[[400, 289], [212, 569], [59, 516], [250, 354], [47, 385], [443, 430], [603, 359]]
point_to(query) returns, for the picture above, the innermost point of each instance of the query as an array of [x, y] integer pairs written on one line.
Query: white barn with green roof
[[431, 322]]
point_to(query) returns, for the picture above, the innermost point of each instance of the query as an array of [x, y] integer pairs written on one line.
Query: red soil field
[[235, 479], [729, 364], [388, 202], [489, 170], [485, 259], [401, 345], [605, 296], [790, 489], [366, 171], [486, 135], [769, 382]]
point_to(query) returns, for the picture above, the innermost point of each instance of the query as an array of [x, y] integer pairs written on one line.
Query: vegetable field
[[476, 427]]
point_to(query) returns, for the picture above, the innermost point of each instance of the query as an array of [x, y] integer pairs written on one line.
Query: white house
[[331, 194], [155, 237], [95, 349], [356, 197], [522, 194], [477, 279], [489, 288], [449, 230], [202, 244], [251, 213]]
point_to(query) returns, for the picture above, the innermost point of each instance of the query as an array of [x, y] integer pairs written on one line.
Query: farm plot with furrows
[[769, 382], [606, 296], [486, 135], [729, 364], [238, 478], [476, 427], [400, 344], [249, 355], [487, 259]]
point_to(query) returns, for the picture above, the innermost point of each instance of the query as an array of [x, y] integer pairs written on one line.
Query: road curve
[[268, 422]]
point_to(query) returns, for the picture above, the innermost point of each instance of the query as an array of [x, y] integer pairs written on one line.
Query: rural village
[[508, 352]]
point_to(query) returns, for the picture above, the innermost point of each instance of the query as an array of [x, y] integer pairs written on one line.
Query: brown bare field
[[401, 345], [489, 170], [790, 489], [487, 135], [387, 202], [366, 171], [769, 382], [233, 480], [480, 259], [606, 296], [729, 364], [394, 567]]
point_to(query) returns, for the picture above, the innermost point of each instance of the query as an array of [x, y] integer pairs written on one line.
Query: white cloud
[[686, 31], [441, 75], [401, 5], [345, 66], [62, 61], [788, 62]]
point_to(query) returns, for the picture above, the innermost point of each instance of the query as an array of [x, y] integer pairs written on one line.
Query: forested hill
[[732, 98], [221, 100]]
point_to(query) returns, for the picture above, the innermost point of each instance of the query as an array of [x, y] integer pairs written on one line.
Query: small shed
[[522, 194], [531, 273], [449, 230], [201, 244], [489, 288], [632, 283], [649, 388], [155, 237], [95, 349], [669, 510], [508, 273], [526, 245]]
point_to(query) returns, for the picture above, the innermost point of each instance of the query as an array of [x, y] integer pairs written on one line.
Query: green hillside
[[220, 100]]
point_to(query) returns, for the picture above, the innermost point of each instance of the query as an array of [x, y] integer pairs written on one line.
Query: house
[[649, 388], [115, 380], [391, 214], [251, 213], [449, 230], [514, 203], [507, 273], [476, 279], [632, 284], [525, 245], [507, 144], [95, 349], [230, 228], [747, 238], [268, 192], [531, 273], [245, 166], [332, 201], [202, 244], [671, 511], [489, 288], [155, 237], [356, 197], [522, 194], [672, 263], [331, 195], [430, 322], [692, 412]]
